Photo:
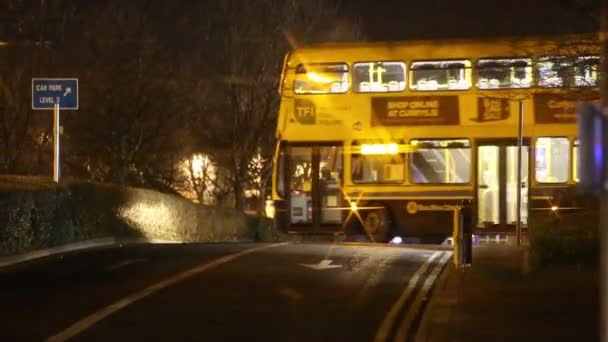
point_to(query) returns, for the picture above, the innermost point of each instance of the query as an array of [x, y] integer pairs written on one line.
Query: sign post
[[55, 94], [56, 134]]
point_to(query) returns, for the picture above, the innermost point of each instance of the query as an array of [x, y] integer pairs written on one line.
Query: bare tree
[[24, 134], [15, 118], [158, 85], [128, 127], [240, 110]]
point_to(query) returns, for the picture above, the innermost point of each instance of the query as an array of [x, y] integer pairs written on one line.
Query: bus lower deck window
[[575, 161], [552, 159], [377, 168], [440, 161]]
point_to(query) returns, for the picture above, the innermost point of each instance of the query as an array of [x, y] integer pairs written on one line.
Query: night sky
[[402, 19], [423, 19]]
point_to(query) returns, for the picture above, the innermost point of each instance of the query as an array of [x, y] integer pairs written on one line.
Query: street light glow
[[379, 149], [318, 78]]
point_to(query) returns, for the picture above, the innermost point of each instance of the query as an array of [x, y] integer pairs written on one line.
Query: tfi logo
[[304, 111]]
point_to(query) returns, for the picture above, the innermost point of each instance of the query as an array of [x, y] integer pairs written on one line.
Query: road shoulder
[[7, 262]]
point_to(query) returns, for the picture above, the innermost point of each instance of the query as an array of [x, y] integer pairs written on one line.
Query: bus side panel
[[432, 226]]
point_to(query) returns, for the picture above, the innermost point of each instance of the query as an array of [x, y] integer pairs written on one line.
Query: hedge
[[38, 214], [565, 236]]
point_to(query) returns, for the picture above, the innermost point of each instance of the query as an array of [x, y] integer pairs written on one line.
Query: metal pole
[[520, 138], [603, 224], [456, 237], [56, 135]]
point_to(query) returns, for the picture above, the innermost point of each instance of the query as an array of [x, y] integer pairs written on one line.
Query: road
[[261, 292]]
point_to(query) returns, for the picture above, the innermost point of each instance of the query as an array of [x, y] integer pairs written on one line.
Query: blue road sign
[[48, 91]]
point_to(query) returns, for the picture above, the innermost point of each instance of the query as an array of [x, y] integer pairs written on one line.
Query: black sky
[[399, 19], [424, 19]]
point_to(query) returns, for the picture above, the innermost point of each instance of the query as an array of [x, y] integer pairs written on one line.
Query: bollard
[[457, 237], [466, 213]]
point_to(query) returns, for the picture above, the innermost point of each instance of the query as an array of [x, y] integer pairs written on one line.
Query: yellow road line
[[406, 324], [391, 316]]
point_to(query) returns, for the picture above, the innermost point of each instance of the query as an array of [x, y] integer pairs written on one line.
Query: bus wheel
[[378, 225]]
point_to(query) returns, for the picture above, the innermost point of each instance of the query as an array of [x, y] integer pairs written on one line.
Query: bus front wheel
[[377, 225]]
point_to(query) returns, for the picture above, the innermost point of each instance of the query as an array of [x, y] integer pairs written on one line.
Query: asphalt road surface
[[217, 292]]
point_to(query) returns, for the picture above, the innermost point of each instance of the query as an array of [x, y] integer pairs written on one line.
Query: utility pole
[[603, 224], [520, 131]]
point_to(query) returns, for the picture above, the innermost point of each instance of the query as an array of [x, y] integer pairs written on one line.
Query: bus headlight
[[396, 240]]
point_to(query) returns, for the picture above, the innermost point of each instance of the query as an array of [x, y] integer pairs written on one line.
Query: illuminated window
[[552, 160], [377, 163], [586, 71], [567, 72], [504, 73], [575, 161], [321, 79], [440, 161], [330, 174], [440, 75], [555, 71], [300, 185], [379, 76]]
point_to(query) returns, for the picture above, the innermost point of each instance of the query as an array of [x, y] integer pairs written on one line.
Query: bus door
[[497, 184], [314, 179]]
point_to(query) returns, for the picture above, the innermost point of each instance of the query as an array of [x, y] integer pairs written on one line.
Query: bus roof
[[446, 48]]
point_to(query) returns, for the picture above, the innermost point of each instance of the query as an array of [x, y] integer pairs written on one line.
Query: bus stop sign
[[46, 92]]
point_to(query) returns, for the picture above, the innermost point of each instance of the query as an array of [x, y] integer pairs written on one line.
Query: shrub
[[266, 231], [35, 215], [565, 237]]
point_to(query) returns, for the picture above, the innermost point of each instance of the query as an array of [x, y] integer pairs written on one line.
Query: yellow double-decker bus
[[369, 133]]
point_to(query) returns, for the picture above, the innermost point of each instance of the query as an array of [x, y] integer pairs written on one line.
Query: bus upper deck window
[[555, 71], [494, 73], [378, 77], [586, 71], [326, 78], [440, 75]]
